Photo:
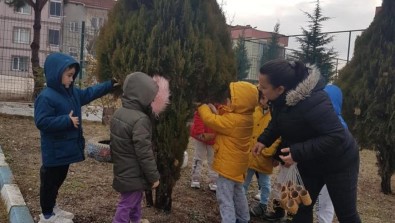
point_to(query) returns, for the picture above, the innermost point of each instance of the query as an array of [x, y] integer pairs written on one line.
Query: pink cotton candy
[[162, 97]]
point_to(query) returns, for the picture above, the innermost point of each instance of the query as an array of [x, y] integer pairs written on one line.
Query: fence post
[[82, 52]]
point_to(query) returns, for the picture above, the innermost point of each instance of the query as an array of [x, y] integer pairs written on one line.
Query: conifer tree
[[312, 44], [242, 61], [187, 42], [272, 50], [368, 84]]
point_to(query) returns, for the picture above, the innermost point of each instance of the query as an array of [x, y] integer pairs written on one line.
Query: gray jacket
[[131, 136]]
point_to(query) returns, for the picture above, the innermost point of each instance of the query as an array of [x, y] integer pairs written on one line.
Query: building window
[[21, 35], [73, 52], [74, 27], [20, 63], [55, 8], [53, 37], [97, 22], [26, 9]]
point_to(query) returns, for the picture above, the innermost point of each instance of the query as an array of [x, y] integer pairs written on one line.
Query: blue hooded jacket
[[336, 96], [61, 142]]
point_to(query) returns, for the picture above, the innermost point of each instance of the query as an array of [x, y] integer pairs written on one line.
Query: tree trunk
[[163, 196], [35, 46], [384, 157]]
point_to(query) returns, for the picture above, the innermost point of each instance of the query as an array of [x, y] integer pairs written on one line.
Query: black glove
[[114, 83], [116, 87]]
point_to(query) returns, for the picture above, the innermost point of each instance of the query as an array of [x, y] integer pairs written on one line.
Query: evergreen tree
[[368, 83], [242, 61], [312, 44], [272, 50], [188, 42], [37, 6]]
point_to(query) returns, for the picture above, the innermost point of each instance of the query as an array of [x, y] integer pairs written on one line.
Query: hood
[[336, 96], [304, 89], [54, 66], [243, 96], [139, 90]]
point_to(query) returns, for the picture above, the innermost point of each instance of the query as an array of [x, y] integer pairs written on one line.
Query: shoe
[[212, 186], [257, 197], [144, 221], [62, 213], [195, 184], [258, 210], [54, 219], [278, 214]]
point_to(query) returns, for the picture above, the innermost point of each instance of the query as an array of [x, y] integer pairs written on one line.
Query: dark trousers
[[51, 178], [342, 188]]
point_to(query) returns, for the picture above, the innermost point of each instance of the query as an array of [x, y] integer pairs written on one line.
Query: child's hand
[[155, 185], [74, 119], [257, 148], [213, 108]]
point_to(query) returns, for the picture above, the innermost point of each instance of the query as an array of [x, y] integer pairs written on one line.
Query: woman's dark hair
[[284, 73]]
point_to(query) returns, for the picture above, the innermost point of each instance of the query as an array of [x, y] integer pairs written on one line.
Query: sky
[[264, 14]]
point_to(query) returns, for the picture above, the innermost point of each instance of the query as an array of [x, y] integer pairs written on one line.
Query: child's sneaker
[[62, 213], [54, 219], [195, 184], [212, 186], [258, 210], [258, 196]]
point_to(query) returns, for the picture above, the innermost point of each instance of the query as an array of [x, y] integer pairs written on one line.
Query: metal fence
[[16, 76]]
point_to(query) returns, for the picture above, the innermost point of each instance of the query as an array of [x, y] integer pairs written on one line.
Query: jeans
[[232, 201], [129, 208], [51, 179], [263, 182], [202, 152], [342, 188]]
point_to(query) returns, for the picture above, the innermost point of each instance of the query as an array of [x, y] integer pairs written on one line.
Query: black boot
[[278, 213]]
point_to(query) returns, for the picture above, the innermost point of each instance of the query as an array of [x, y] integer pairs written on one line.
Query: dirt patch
[[87, 191]]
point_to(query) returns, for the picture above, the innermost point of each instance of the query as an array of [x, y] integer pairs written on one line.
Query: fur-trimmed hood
[[304, 89]]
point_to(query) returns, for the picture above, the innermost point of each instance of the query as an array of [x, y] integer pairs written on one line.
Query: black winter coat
[[305, 120]]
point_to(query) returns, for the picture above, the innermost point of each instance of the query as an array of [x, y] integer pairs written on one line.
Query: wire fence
[[16, 74], [78, 40]]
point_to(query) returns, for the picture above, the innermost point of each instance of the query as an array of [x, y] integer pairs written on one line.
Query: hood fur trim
[[303, 90], [162, 97]]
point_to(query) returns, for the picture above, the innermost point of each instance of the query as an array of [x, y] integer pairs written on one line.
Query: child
[[325, 210], [262, 164], [231, 148], [57, 114], [203, 139], [135, 168]]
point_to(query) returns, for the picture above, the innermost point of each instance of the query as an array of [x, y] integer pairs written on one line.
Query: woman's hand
[[288, 161], [258, 148]]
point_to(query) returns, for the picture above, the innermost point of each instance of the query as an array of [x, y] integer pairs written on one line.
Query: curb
[[12, 197]]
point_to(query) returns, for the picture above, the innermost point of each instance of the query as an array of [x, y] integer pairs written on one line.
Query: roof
[[252, 33], [101, 4]]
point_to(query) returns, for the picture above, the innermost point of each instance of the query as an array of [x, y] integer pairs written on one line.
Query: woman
[[312, 136]]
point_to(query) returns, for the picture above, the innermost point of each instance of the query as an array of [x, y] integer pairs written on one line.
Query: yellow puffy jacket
[[234, 129], [262, 163]]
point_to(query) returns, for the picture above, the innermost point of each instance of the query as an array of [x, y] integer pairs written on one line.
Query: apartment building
[[60, 31], [256, 40]]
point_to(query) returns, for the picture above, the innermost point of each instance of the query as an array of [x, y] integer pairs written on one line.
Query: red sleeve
[[197, 125]]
